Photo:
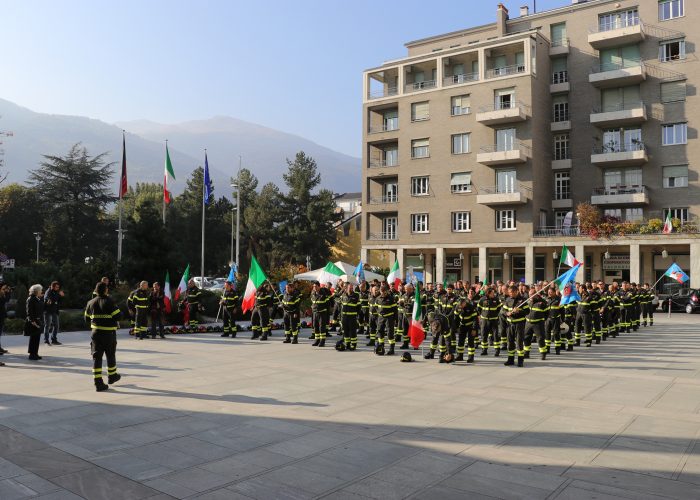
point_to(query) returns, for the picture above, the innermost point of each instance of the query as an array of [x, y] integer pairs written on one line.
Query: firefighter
[[320, 297], [337, 296], [489, 308], [515, 312], [552, 326], [648, 306], [613, 311], [626, 298], [350, 306], [400, 314], [193, 297], [363, 316], [595, 300], [428, 300], [534, 323], [260, 319], [157, 308], [290, 307], [103, 315], [229, 304], [448, 302], [129, 307], [409, 297], [466, 313], [386, 307], [500, 341], [373, 315], [603, 306], [142, 305], [636, 308], [584, 317]]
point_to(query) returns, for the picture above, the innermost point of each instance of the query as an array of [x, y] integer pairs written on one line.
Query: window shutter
[[676, 171], [461, 178], [419, 143], [673, 91], [421, 110]]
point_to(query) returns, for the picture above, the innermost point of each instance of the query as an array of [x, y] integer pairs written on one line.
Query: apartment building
[[480, 144]]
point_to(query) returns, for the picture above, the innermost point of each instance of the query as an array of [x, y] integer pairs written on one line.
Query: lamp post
[[237, 186], [37, 237]]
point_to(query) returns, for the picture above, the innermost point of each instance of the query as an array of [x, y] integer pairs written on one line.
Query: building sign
[[453, 262], [617, 263]]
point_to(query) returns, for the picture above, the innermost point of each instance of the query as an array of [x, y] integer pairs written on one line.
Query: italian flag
[[182, 287], [567, 257], [331, 273], [415, 329], [256, 277], [668, 225], [485, 284], [166, 293], [394, 275], [168, 176]]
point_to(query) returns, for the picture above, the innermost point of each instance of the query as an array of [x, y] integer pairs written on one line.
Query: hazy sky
[[290, 65]]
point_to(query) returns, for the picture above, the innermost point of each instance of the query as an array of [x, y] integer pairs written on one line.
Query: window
[[561, 147], [420, 186], [675, 133], [559, 217], [560, 108], [389, 228], [390, 120], [562, 186], [620, 98], [505, 220], [558, 34], [461, 222], [616, 20], [390, 192], [618, 140], [670, 9], [619, 58], [677, 213], [625, 214], [460, 144], [391, 157], [506, 181], [672, 51], [675, 176], [461, 182], [420, 111], [460, 105], [505, 139], [504, 98], [559, 70], [517, 263], [420, 148], [626, 177], [673, 91], [419, 223]]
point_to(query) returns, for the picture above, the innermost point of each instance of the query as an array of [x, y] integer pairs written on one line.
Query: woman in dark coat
[[34, 323]]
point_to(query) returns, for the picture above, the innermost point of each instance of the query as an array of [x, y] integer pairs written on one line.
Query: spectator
[[33, 325], [52, 300], [157, 310]]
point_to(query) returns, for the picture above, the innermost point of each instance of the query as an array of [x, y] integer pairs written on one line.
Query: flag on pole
[[567, 257], [415, 329], [182, 287], [676, 273], [484, 284], [168, 176], [283, 286], [256, 277], [567, 285], [123, 186], [668, 225], [394, 277], [166, 293], [208, 188], [330, 274], [232, 274], [359, 272]]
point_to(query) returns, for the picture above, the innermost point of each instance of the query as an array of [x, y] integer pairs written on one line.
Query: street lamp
[[37, 237], [236, 185]]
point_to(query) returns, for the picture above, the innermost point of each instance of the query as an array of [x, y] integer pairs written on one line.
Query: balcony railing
[[505, 71], [501, 106], [619, 189], [550, 231], [504, 189], [615, 147], [623, 106], [428, 84], [560, 77], [383, 236], [615, 66], [497, 148], [386, 92], [457, 79], [383, 163], [383, 200], [385, 127], [561, 115], [616, 229], [616, 24]]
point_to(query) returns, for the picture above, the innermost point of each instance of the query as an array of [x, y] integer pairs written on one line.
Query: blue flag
[[359, 272], [567, 285], [676, 273], [232, 274], [283, 285], [208, 188]]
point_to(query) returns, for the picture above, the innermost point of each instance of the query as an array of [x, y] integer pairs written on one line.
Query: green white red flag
[[256, 277], [182, 287], [567, 257], [668, 225], [415, 330], [167, 297], [168, 176], [394, 277], [330, 274]]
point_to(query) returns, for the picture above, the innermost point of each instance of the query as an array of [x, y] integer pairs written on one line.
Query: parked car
[[685, 299]]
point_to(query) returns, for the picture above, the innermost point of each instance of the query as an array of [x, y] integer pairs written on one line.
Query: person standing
[[350, 305], [535, 322], [34, 322], [52, 299], [320, 296], [157, 308], [489, 308], [290, 308], [103, 315], [386, 307], [193, 298], [260, 318], [515, 311], [142, 302], [466, 316], [4, 297], [229, 302]]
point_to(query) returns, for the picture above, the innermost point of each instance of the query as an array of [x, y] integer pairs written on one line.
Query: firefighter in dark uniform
[[636, 308], [515, 312], [373, 315], [229, 304], [260, 319], [290, 307], [500, 341], [428, 301], [648, 306], [466, 317], [193, 297], [584, 317], [448, 303], [132, 311], [534, 323], [386, 306], [409, 297], [363, 316], [103, 315], [320, 297], [603, 305], [350, 302], [489, 308], [626, 298], [552, 326], [613, 312], [595, 300], [142, 305], [337, 296]]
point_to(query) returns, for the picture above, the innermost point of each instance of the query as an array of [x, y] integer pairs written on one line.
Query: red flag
[[123, 184], [186, 314]]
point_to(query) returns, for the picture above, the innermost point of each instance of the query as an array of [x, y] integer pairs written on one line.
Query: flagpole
[[204, 194], [121, 208], [165, 177]]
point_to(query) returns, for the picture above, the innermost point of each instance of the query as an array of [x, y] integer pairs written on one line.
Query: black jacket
[[52, 300], [35, 313], [3, 307]]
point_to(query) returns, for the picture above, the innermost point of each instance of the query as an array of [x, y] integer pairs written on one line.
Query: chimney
[[501, 18], [524, 11]]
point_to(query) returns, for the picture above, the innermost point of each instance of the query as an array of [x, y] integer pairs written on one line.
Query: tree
[[73, 191], [262, 219], [20, 216], [248, 197]]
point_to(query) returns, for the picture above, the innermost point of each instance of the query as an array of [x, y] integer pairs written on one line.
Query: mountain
[[263, 149]]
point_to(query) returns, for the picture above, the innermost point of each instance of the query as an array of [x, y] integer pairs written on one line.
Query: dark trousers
[[34, 341], [489, 327], [533, 330], [2, 325], [291, 324], [385, 326], [194, 318], [373, 320], [320, 324], [229, 322], [103, 344], [157, 322], [349, 322], [552, 332], [50, 326], [583, 325], [141, 326], [503, 328], [260, 321], [516, 338], [468, 334]]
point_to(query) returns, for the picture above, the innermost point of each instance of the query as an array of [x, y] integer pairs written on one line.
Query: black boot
[[570, 348], [100, 385], [404, 345], [460, 357], [225, 334], [312, 336], [497, 352], [390, 352], [430, 355], [295, 339], [597, 340], [577, 343], [557, 350], [549, 349], [315, 344], [264, 336], [113, 379], [470, 358], [510, 361], [544, 355], [485, 352], [255, 336], [521, 361], [322, 343], [527, 354], [287, 339], [370, 343]]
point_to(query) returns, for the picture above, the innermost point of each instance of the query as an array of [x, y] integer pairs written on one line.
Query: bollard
[[669, 307]]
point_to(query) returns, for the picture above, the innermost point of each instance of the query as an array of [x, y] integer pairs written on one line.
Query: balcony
[[497, 154], [385, 92], [562, 200], [502, 113], [459, 79], [620, 115], [515, 69], [384, 200], [418, 86], [620, 155], [620, 195], [560, 82], [623, 31], [498, 195], [561, 164], [383, 163], [618, 75], [557, 231], [559, 47], [383, 236]]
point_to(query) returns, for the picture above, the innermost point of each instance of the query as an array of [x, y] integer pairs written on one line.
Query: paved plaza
[[199, 416]]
